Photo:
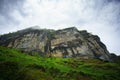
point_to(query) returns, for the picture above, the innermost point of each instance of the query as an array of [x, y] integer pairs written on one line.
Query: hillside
[[15, 65], [68, 42]]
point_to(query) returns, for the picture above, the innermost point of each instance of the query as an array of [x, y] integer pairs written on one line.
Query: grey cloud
[[101, 17], [6, 9], [7, 6]]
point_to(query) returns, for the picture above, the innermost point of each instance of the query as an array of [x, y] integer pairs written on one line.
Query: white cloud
[[101, 17]]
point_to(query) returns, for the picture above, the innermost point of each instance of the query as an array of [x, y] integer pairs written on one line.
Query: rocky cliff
[[68, 42]]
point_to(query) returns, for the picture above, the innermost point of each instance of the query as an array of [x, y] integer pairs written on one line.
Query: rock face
[[68, 42]]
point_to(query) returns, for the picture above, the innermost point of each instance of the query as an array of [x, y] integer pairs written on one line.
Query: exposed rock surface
[[68, 42]]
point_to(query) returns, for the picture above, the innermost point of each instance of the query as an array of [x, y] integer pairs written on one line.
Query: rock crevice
[[68, 42]]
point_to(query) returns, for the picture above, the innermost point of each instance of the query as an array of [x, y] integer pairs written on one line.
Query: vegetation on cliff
[[68, 42], [15, 65]]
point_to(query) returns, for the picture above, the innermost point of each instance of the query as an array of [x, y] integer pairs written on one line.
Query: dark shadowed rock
[[68, 42]]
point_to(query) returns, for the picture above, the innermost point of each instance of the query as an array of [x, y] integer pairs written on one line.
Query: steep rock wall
[[68, 42]]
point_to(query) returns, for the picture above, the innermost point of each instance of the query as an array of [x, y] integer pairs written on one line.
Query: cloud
[[106, 25], [101, 17], [7, 21]]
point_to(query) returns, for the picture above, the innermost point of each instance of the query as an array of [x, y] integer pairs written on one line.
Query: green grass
[[15, 65]]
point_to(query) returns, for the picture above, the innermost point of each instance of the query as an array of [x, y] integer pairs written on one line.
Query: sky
[[99, 17]]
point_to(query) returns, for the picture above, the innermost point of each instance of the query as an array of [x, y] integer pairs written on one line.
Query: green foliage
[[52, 35], [15, 65]]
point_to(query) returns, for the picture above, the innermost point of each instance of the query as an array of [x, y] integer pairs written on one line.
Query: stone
[[69, 42]]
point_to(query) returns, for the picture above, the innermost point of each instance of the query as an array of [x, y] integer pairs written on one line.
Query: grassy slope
[[15, 65]]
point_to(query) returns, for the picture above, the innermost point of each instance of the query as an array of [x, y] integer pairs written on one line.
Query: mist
[[99, 17]]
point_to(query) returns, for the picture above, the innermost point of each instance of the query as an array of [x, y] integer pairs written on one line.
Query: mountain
[[69, 42]]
